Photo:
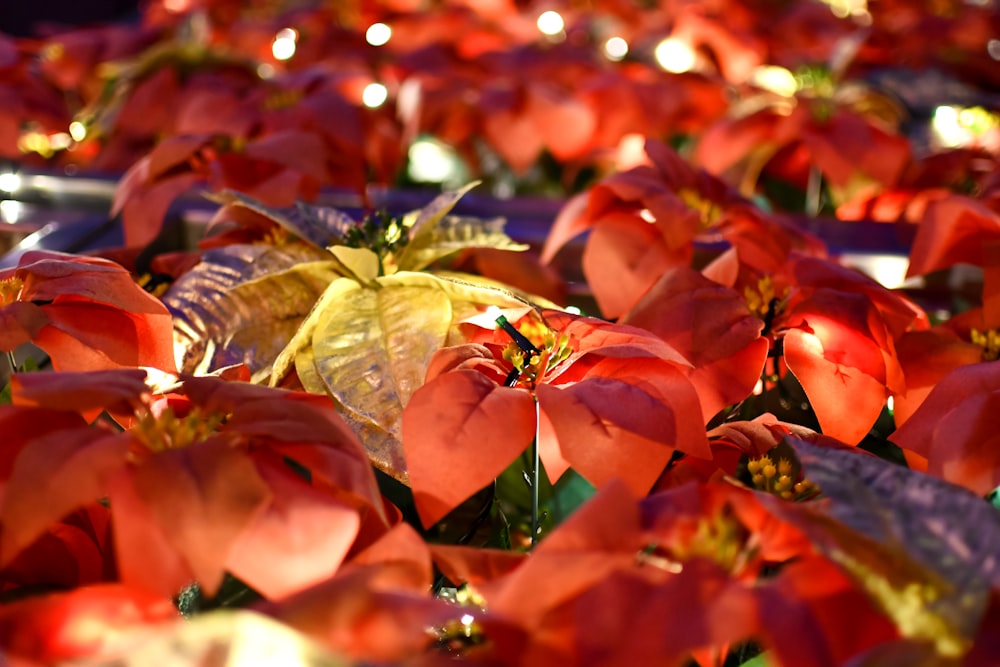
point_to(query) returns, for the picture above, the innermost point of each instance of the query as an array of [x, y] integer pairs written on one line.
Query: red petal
[[203, 497], [460, 431], [299, 539]]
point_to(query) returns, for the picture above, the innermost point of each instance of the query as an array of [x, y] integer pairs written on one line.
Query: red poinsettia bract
[[659, 580], [645, 220], [86, 313], [612, 401], [954, 428], [218, 476]]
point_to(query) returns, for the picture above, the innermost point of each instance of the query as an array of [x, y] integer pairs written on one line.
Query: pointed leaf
[[203, 497], [243, 303], [299, 539], [362, 262], [944, 528], [451, 234], [369, 349], [461, 431], [955, 428], [322, 226]]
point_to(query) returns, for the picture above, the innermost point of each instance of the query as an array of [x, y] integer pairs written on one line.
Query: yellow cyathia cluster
[[779, 479]]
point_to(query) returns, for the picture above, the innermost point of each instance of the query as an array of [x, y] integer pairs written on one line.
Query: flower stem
[[12, 362], [535, 465]]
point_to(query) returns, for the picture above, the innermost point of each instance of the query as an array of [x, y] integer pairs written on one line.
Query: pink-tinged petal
[[728, 381], [717, 611], [59, 277], [19, 323], [565, 124], [203, 497], [847, 401], [953, 230], [475, 565], [369, 613], [460, 431], [515, 137], [80, 624], [147, 559], [115, 390], [622, 260], [296, 149], [51, 476], [703, 320], [601, 537], [144, 209], [625, 424], [598, 338], [91, 336], [926, 357], [299, 539], [569, 223], [74, 552], [954, 429]]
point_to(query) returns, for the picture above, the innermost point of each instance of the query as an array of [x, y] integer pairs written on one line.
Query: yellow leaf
[[362, 262], [368, 348]]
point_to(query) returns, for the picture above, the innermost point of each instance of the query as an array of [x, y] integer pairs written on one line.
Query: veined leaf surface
[[368, 347], [321, 226], [921, 523], [243, 303]]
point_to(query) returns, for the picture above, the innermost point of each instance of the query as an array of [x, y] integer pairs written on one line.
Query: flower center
[[989, 341], [719, 538], [708, 211], [553, 349], [763, 301], [10, 290], [783, 480], [168, 431]]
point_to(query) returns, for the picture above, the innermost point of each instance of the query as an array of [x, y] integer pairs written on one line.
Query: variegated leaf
[[368, 347], [243, 303], [320, 225]]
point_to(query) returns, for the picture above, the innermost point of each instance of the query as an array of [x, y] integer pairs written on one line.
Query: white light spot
[[493, 313], [10, 182], [283, 46], [675, 56], [60, 141], [432, 161], [573, 310], [11, 210], [77, 130], [265, 70], [776, 79], [889, 270], [467, 619], [616, 48], [947, 127], [378, 34], [890, 404], [993, 48], [647, 215], [550, 23], [374, 95]]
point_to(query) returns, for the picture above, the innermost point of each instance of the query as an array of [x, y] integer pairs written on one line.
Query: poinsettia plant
[[372, 433]]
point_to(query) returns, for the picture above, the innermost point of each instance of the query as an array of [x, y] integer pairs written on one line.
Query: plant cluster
[[387, 440]]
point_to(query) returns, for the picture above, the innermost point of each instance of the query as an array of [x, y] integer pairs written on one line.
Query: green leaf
[[760, 660]]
